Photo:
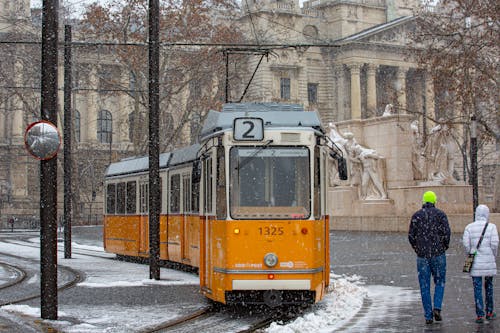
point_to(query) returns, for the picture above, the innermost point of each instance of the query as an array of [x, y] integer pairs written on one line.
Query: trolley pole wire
[[154, 151]]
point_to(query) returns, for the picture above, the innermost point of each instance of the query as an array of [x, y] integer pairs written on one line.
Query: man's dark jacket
[[429, 233]]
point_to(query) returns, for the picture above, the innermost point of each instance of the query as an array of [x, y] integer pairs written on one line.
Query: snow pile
[[343, 301]]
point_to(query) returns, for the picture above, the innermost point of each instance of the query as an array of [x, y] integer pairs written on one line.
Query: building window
[[76, 126], [132, 82], [131, 126], [285, 88], [312, 93], [104, 127]]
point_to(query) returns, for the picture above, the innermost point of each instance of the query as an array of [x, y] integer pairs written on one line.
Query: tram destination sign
[[248, 129]]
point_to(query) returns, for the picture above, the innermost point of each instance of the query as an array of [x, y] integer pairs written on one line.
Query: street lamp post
[[473, 162]]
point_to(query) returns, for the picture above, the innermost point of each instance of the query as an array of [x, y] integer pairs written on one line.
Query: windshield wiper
[[257, 150]]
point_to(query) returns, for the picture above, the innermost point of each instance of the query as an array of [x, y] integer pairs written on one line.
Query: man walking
[[429, 235]]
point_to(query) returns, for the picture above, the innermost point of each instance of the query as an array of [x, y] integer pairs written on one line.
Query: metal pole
[[48, 169], [227, 76], [154, 151], [473, 163], [67, 141]]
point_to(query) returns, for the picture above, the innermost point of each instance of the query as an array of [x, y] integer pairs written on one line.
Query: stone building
[[100, 119], [346, 59]]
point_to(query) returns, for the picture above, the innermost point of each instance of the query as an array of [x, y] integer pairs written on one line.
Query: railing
[[376, 3], [312, 12]]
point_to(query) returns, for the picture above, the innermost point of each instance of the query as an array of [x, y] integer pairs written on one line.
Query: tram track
[[217, 319], [18, 271], [21, 284], [84, 252]]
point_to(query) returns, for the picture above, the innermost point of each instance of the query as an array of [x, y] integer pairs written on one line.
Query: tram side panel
[[122, 234]]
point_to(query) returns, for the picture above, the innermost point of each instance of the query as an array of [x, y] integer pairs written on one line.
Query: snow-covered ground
[[348, 297]]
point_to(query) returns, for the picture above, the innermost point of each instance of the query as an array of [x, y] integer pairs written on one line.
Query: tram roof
[[139, 164], [273, 114]]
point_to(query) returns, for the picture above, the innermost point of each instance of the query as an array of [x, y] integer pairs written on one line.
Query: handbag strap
[[482, 235]]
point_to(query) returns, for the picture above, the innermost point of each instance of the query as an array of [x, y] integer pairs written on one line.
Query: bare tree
[[190, 76], [457, 41]]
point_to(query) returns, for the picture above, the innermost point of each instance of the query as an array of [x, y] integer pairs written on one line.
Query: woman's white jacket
[[484, 262]]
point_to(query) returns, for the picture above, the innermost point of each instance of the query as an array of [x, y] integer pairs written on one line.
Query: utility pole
[[473, 164], [154, 151], [68, 85], [48, 168]]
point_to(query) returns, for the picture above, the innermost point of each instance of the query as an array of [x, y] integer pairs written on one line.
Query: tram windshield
[[270, 182]]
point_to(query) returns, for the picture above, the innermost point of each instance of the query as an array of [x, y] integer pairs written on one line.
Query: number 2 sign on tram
[[248, 129]]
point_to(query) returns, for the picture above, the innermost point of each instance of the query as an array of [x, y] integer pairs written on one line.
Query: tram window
[[270, 183], [208, 185], [175, 195], [131, 198], [317, 184], [144, 197], [120, 198], [195, 197], [221, 185], [110, 198], [186, 191]]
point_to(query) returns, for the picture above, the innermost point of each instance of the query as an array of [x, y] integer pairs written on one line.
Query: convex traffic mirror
[[42, 140]]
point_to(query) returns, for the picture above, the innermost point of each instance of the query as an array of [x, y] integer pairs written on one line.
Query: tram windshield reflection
[[272, 183]]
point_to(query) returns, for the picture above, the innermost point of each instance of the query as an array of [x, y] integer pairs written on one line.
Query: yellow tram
[[246, 205]]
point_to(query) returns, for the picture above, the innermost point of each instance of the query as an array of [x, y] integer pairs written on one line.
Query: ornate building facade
[[346, 59]]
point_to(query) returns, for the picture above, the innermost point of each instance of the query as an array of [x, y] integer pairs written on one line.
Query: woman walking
[[484, 262]]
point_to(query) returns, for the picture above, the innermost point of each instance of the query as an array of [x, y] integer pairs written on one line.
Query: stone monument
[[389, 170]]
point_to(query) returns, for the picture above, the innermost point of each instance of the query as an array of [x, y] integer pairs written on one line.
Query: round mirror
[[42, 140]]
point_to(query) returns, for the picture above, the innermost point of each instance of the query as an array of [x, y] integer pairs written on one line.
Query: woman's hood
[[482, 213]]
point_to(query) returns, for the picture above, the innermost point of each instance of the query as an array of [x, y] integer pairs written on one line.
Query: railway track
[[85, 252], [23, 289], [20, 275], [218, 319]]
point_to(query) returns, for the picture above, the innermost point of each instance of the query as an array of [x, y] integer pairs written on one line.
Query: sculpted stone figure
[[340, 141], [365, 169], [416, 151], [389, 110], [440, 153]]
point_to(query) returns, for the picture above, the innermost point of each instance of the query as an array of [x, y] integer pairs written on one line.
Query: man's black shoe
[[429, 321], [437, 315]]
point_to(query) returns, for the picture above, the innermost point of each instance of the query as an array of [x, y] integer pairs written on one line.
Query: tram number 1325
[[271, 231]]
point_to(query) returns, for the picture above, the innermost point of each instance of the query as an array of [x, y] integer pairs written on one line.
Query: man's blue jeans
[[435, 266], [477, 281]]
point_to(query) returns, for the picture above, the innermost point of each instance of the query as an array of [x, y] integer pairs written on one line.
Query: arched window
[[76, 126], [104, 126]]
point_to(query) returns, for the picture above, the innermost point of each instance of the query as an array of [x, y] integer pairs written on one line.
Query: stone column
[[355, 91], [340, 91], [401, 89], [371, 88], [123, 110], [89, 127], [429, 96], [3, 111], [17, 106]]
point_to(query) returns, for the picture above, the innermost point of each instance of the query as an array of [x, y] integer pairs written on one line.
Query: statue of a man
[[440, 155], [365, 166], [416, 151]]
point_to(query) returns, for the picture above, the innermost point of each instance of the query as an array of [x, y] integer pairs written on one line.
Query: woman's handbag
[[469, 260]]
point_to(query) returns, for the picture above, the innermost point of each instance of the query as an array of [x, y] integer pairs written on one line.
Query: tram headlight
[[270, 259]]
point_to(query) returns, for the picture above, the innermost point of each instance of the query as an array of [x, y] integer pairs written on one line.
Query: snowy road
[[117, 296]]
